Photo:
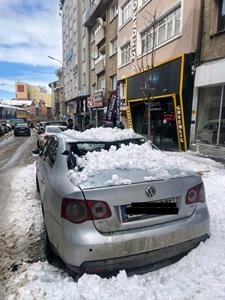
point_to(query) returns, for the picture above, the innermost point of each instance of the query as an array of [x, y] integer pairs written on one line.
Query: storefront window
[[222, 123], [208, 115]]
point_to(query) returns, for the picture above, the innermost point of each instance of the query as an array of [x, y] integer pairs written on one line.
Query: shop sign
[[113, 110], [96, 100], [134, 31], [179, 124], [164, 79]]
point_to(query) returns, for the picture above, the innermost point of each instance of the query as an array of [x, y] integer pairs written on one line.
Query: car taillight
[[78, 211], [46, 137], [195, 194]]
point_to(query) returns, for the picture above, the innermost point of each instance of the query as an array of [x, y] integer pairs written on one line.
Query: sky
[[30, 31]]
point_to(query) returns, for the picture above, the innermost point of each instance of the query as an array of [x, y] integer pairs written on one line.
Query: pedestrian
[[70, 124], [120, 125]]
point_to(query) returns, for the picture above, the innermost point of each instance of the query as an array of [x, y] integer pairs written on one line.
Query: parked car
[[57, 123], [21, 129], [49, 131], [86, 201], [41, 127]]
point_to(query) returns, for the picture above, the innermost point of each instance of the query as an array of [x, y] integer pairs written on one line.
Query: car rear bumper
[[140, 262], [84, 248]]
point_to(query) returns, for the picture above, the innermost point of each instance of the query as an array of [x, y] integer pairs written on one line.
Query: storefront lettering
[[180, 126], [134, 31]]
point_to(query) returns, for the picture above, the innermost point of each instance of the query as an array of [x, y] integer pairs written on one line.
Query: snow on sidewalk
[[199, 275]]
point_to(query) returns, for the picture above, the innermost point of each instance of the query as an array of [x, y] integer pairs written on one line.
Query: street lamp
[[51, 57]]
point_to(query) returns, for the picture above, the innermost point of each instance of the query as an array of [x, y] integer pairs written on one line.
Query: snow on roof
[[103, 134], [21, 102]]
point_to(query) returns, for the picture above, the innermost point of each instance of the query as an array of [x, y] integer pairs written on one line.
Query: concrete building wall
[[213, 42], [185, 42], [74, 42], [111, 59], [21, 91]]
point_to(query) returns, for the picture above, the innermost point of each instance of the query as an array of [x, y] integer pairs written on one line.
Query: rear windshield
[[21, 125], [81, 148], [55, 129]]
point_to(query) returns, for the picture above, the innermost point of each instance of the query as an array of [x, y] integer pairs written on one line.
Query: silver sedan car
[[102, 228]]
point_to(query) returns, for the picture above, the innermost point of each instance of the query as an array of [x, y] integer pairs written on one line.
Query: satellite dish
[[100, 21], [94, 55]]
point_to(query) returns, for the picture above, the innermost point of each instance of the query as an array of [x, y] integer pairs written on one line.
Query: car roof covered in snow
[[100, 134]]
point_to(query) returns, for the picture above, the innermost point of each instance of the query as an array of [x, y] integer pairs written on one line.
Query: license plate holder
[[126, 217]]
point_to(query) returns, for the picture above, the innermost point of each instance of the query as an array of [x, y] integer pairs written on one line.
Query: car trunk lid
[[119, 196]]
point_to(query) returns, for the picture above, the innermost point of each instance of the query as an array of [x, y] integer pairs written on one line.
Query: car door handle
[[42, 181]]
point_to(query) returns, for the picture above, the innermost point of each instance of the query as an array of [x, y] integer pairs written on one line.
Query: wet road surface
[[16, 153]]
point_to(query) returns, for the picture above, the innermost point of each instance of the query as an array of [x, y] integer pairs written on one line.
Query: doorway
[[163, 122]]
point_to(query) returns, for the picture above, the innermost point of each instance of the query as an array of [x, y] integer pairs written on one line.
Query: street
[[15, 153]]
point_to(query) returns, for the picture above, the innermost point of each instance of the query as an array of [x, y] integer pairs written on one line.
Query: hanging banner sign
[[111, 110]]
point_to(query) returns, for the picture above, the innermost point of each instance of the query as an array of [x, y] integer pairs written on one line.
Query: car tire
[[37, 185], [49, 254]]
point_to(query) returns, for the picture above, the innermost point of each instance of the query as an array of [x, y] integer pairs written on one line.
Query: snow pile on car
[[154, 165], [102, 134]]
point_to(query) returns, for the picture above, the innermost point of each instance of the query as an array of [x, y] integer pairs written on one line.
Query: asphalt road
[[15, 153]]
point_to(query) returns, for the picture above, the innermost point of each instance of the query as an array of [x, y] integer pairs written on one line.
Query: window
[[51, 152], [113, 46], [165, 29], [101, 84], [211, 116], [126, 12], [84, 54], [113, 11], [125, 54], [113, 82], [221, 15]]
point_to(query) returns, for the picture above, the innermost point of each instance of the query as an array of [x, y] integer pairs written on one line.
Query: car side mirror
[[36, 152]]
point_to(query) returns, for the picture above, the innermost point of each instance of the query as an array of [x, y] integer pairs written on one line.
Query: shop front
[[208, 122], [96, 107], [161, 98]]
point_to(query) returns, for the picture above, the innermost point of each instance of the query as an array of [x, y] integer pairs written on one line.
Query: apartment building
[[75, 60], [58, 103], [102, 25], [208, 112], [157, 42], [39, 94]]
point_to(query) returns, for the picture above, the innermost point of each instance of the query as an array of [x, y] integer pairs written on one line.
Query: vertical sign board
[[169, 82]]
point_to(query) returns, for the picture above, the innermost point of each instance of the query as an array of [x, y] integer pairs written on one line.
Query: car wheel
[[49, 254], [37, 185]]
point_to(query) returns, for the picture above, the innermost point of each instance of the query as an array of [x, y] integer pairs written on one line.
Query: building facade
[[58, 103], [75, 60], [102, 24], [26, 91], [41, 108], [208, 113], [157, 44]]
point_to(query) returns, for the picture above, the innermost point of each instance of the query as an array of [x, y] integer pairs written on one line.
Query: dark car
[[21, 129]]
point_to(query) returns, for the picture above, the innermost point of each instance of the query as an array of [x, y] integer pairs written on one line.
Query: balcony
[[100, 64], [95, 11], [99, 35]]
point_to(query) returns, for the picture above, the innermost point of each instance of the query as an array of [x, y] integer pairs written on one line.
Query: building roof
[[21, 102]]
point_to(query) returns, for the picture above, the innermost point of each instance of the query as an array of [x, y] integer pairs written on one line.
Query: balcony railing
[[99, 35], [100, 64]]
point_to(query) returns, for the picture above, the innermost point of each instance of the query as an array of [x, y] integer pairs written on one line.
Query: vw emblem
[[150, 191]]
